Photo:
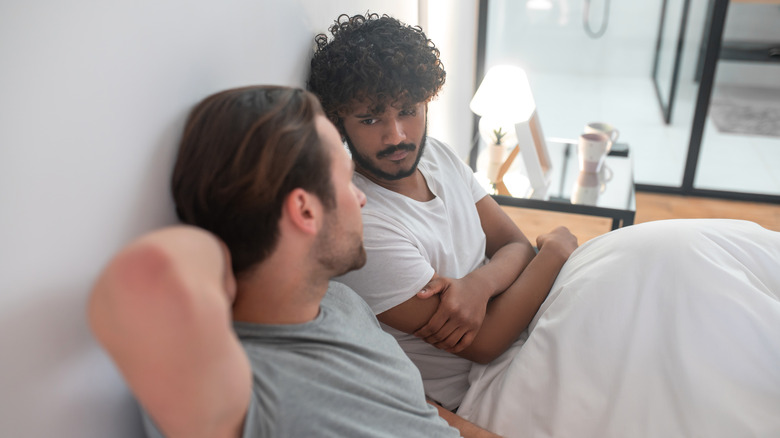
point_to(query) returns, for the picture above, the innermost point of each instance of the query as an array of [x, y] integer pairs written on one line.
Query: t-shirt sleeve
[[477, 191], [396, 266], [466, 174]]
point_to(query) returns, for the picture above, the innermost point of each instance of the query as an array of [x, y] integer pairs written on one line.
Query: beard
[[339, 251], [368, 165]]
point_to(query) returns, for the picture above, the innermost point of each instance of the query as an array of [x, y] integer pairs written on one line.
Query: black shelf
[[750, 51]]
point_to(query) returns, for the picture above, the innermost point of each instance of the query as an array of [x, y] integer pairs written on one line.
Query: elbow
[[480, 354], [482, 360]]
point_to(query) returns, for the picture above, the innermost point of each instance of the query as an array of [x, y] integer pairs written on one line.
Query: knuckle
[[449, 305]]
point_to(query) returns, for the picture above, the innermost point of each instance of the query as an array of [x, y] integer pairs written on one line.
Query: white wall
[[93, 96], [452, 26]]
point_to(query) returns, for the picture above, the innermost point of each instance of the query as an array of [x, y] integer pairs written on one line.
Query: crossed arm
[[480, 315]]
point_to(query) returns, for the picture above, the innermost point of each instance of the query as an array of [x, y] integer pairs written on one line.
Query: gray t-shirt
[[339, 375]]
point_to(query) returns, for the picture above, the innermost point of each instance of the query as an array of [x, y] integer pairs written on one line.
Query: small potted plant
[[496, 152], [498, 135]]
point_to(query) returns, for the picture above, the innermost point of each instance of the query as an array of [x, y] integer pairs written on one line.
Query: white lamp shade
[[504, 95]]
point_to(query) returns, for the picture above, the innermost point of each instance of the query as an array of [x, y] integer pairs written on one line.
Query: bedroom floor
[[650, 207]]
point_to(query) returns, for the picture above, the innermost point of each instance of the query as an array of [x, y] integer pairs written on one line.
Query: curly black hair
[[374, 58]]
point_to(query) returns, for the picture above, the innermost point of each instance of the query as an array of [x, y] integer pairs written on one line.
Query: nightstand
[[613, 196]]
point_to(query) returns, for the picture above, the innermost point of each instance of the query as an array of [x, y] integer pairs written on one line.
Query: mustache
[[393, 149]]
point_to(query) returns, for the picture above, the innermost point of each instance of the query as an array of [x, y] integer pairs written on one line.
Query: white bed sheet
[[663, 329]]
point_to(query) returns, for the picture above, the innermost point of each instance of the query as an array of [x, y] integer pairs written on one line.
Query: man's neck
[[278, 293], [413, 186]]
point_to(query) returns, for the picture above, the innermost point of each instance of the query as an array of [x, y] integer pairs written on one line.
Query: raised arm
[[161, 308], [518, 281]]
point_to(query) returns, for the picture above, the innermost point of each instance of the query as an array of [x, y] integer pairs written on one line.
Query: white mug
[[586, 189], [591, 150], [589, 185], [604, 128]]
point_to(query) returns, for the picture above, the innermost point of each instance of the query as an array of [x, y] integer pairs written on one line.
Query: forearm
[[506, 247], [503, 269], [467, 429], [511, 312], [453, 323]]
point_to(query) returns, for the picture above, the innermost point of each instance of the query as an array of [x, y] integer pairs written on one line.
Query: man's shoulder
[[340, 291], [440, 156], [437, 149], [342, 296]]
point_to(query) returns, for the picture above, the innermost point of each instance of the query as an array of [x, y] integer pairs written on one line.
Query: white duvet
[[664, 329]]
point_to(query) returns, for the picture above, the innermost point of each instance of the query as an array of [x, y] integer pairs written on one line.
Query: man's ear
[[304, 210]]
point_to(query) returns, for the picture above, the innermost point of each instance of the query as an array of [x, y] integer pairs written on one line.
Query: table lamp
[[506, 105]]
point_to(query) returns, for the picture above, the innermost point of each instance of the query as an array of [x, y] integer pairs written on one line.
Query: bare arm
[[510, 312], [506, 246], [464, 301], [161, 308]]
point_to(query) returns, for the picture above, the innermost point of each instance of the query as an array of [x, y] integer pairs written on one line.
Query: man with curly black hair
[[448, 273], [456, 282]]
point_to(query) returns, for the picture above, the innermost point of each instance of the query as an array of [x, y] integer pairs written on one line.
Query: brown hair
[[243, 151]]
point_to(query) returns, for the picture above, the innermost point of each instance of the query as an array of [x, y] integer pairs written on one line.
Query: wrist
[[478, 281], [556, 252]]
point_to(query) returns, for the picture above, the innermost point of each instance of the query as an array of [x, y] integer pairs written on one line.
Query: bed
[[668, 328]]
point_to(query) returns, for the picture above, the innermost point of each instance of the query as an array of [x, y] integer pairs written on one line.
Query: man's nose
[[394, 132]]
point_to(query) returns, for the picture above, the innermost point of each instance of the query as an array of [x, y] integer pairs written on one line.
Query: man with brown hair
[[265, 344]]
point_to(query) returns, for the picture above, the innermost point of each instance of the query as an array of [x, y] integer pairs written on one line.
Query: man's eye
[[368, 121]]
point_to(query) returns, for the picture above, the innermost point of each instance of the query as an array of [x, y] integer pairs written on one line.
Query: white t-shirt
[[407, 241]]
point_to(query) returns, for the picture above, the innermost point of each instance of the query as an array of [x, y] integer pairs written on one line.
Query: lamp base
[[499, 181]]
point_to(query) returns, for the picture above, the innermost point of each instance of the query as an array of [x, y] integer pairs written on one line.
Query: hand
[[559, 240], [459, 316]]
